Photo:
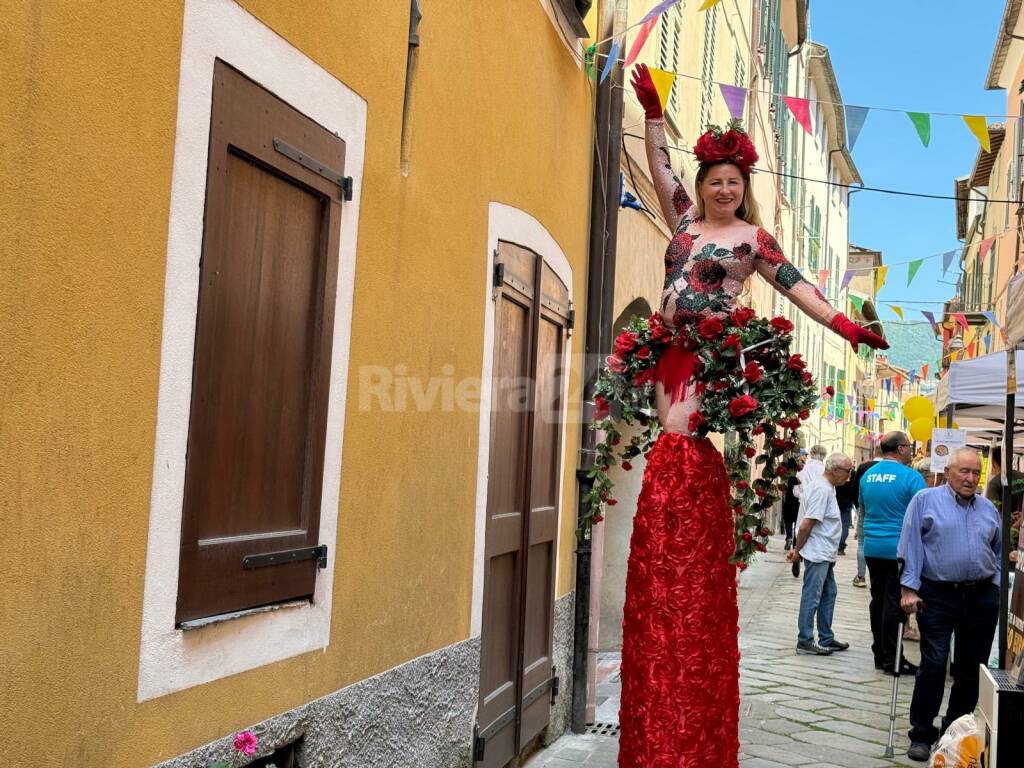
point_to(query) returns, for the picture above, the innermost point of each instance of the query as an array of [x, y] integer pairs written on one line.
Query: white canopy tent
[[977, 391]]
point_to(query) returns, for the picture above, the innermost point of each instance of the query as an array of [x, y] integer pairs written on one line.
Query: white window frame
[[172, 659]]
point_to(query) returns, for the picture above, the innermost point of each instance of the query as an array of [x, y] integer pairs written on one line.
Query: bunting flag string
[[924, 371], [657, 10], [847, 277], [961, 318], [984, 248], [709, 4], [988, 342], [897, 310], [912, 270], [858, 303], [662, 83], [923, 123], [930, 317], [991, 317], [947, 259], [823, 278]]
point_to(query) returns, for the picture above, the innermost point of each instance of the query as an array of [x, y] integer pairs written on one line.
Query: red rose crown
[[731, 144]]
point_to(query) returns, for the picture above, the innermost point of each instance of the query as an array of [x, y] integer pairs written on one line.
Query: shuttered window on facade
[[669, 30], [708, 69], [264, 330]]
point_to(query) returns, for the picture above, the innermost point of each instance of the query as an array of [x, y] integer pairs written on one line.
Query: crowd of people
[[931, 552]]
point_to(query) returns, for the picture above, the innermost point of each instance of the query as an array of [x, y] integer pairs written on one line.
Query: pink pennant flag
[[961, 318], [641, 38], [986, 246], [735, 97], [823, 278], [801, 109]]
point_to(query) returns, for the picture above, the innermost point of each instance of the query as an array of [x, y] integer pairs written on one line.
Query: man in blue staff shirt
[[885, 492], [951, 544]]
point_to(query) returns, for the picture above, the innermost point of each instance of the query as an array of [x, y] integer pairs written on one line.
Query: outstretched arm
[[785, 278], [673, 196]]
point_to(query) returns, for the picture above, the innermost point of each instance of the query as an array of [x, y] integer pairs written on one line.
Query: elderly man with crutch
[[951, 545]]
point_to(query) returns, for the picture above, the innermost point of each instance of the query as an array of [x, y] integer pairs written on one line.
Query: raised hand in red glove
[[856, 334], [646, 93]]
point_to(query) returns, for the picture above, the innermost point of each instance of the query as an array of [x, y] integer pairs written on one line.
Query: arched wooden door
[[531, 324]]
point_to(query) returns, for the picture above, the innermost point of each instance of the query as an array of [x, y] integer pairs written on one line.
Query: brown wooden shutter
[[262, 352]]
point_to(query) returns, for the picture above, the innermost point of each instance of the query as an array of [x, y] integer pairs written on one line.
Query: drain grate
[[603, 729]]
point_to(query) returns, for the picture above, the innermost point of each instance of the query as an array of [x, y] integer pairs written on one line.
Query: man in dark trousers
[[862, 566], [846, 495], [951, 544], [885, 491]]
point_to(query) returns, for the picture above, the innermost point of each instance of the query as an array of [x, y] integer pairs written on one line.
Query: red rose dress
[[680, 650]]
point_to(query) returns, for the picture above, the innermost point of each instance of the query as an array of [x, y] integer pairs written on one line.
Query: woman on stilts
[[680, 654]]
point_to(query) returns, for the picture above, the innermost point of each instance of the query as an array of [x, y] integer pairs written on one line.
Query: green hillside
[[913, 345]]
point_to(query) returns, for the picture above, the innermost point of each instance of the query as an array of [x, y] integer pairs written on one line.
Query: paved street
[[795, 710]]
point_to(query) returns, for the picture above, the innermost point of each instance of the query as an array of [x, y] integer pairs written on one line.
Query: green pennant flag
[[591, 50], [912, 269], [923, 122], [858, 303]]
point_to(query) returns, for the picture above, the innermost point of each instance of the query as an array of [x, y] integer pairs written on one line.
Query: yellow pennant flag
[[709, 4], [897, 310], [871, 403], [662, 83], [977, 125], [880, 278]]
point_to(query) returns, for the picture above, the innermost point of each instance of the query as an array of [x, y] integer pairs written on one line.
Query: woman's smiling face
[[722, 190]]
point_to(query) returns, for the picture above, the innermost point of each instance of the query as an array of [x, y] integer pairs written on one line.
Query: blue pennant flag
[[855, 117], [947, 259], [613, 54]]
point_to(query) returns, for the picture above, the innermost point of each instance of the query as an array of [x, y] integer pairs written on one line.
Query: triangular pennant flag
[[947, 259], [961, 318], [589, 59], [923, 123], [880, 278], [911, 376], [855, 117], [823, 278], [858, 303], [897, 310], [735, 97], [991, 317], [986, 246], [977, 125], [930, 317], [709, 4], [801, 109], [613, 54], [912, 268], [641, 38], [847, 277], [924, 371], [988, 342], [659, 9], [899, 381], [971, 348], [662, 83]]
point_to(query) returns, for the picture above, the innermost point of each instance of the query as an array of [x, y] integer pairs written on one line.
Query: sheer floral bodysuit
[[704, 276]]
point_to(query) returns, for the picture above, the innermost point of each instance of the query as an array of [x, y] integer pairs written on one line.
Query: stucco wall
[[501, 112]]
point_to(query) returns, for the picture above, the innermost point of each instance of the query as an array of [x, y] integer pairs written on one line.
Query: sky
[[917, 56]]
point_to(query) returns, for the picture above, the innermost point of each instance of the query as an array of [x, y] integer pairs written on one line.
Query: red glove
[[646, 93], [855, 334]]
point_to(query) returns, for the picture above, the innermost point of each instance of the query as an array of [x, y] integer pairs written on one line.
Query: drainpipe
[[604, 207]]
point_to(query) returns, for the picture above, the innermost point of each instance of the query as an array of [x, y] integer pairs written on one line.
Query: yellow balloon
[[940, 422], [918, 407], [921, 429]]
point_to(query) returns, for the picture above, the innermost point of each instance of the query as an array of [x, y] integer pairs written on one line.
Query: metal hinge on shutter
[[571, 321], [287, 556], [286, 149], [479, 745]]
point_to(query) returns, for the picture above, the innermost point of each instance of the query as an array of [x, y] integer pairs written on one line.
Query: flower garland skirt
[[680, 653]]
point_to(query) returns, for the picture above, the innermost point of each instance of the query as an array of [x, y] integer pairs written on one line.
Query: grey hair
[[924, 466], [837, 461], [818, 451], [954, 457]]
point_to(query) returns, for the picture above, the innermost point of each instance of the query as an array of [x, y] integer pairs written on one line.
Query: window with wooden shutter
[[268, 271]]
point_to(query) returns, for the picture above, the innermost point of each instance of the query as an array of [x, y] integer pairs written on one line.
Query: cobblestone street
[[820, 712]]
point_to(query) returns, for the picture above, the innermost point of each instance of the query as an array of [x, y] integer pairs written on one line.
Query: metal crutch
[[895, 682]]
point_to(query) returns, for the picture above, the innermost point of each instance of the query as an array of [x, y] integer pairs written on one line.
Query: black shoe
[[906, 668], [796, 570], [788, 545], [813, 648], [836, 645], [842, 550], [919, 751]]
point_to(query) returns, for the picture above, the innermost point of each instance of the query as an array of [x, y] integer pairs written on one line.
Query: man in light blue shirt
[[952, 544], [885, 491], [819, 527]]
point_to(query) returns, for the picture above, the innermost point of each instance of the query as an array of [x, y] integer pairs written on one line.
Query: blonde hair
[[748, 210]]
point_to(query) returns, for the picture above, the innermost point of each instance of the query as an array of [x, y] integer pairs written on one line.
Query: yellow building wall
[[501, 113]]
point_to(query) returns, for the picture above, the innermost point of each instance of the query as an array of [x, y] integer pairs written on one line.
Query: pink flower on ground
[[245, 742]]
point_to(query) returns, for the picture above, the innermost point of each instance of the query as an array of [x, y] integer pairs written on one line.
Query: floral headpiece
[[731, 144]]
